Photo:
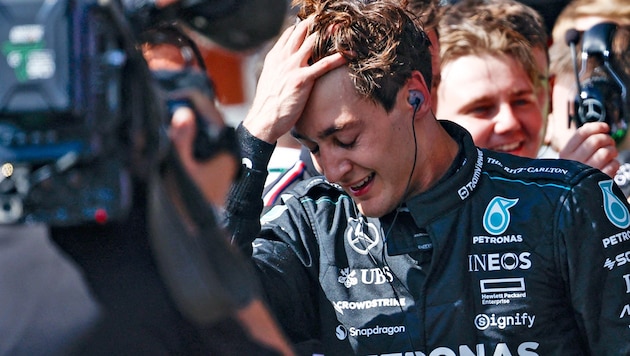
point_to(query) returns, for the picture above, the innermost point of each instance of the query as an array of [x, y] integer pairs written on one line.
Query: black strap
[[206, 276]]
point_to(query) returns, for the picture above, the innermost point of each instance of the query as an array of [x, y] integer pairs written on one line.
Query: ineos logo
[[499, 262], [592, 110]]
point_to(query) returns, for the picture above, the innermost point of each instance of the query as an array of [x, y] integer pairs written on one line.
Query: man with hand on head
[[415, 240], [427, 13]]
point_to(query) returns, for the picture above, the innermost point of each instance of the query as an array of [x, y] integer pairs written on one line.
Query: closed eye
[[346, 145]]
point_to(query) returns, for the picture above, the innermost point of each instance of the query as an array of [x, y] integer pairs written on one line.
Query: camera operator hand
[[593, 145], [213, 177]]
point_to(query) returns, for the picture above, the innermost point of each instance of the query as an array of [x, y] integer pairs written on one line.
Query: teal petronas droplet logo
[[616, 210], [496, 219]]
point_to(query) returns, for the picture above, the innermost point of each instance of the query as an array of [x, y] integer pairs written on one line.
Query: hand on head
[[285, 83]]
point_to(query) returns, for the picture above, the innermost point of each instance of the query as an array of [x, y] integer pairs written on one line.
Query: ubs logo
[[347, 278], [367, 276], [362, 236], [496, 218]]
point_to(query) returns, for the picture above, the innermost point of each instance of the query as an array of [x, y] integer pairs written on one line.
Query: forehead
[[333, 102], [471, 76]]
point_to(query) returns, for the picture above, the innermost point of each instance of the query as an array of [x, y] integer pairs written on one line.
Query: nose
[[506, 119], [333, 165]]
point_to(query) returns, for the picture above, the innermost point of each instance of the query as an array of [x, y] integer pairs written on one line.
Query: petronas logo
[[615, 209], [496, 219]]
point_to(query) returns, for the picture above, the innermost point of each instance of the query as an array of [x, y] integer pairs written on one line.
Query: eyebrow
[[475, 101], [517, 93]]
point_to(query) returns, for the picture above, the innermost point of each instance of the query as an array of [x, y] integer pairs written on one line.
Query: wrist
[[261, 132], [256, 152]]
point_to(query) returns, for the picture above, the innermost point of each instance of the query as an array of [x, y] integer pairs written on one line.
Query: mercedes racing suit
[[504, 256]]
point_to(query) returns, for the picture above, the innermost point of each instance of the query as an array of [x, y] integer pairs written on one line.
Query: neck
[[435, 156]]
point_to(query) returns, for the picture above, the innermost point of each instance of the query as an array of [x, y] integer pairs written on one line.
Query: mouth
[[508, 147], [362, 185]]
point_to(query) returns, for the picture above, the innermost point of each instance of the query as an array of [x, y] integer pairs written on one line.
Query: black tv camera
[[65, 107], [602, 93], [79, 108]]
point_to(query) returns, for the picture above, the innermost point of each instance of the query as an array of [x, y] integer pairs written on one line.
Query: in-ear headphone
[[602, 95], [416, 98]]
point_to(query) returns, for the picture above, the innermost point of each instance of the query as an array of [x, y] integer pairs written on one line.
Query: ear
[[418, 94]]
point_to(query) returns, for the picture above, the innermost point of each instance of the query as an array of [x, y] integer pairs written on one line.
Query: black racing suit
[[504, 256]]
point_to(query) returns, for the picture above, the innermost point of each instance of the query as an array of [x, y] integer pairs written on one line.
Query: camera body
[[602, 93], [81, 114], [62, 113]]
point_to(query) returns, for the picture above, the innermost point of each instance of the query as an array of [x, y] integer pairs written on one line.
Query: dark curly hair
[[380, 40]]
